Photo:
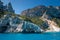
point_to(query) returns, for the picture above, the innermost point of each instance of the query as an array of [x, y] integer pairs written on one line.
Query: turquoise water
[[19, 36]]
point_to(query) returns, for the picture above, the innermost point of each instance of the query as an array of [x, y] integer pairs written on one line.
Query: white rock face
[[30, 27], [19, 28], [15, 24], [53, 27]]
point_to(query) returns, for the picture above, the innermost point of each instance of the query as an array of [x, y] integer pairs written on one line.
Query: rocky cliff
[[15, 24], [50, 15], [38, 11], [34, 20]]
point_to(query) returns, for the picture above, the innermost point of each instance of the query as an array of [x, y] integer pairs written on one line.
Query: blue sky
[[20, 5]]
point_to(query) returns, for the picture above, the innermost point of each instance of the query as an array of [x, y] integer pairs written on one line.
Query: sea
[[30, 36]]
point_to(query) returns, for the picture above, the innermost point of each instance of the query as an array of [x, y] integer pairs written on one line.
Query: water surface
[[19, 36]]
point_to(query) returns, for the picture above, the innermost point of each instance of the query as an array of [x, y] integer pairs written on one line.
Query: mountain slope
[[50, 16], [38, 11], [53, 27]]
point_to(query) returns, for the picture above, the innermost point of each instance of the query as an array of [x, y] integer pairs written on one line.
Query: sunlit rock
[[15, 24]]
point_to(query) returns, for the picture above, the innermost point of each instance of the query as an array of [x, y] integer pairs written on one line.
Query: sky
[[20, 5]]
